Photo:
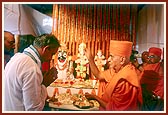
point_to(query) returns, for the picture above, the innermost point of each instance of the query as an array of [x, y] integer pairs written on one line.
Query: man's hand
[[94, 97], [89, 96], [50, 76], [89, 54]]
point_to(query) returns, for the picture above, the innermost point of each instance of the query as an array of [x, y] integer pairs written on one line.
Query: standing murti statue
[[100, 60], [64, 64], [82, 68]]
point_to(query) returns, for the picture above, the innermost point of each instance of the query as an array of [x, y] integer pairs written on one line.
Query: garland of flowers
[[64, 66]]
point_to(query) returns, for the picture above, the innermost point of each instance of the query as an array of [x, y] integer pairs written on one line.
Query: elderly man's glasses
[[11, 42], [152, 56]]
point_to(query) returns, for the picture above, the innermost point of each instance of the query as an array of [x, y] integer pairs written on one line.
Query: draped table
[[75, 88]]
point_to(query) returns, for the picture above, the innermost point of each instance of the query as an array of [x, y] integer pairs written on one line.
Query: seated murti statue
[[100, 60], [64, 64], [82, 68]]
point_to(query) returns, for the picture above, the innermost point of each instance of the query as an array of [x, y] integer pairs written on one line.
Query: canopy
[[21, 19]]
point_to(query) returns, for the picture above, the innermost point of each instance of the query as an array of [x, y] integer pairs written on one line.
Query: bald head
[[9, 41]]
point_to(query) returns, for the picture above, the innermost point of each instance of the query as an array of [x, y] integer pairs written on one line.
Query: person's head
[[133, 55], [120, 52], [9, 41], [154, 55], [25, 41], [47, 45], [145, 56]]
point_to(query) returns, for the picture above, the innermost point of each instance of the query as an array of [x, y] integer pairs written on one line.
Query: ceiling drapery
[[94, 24]]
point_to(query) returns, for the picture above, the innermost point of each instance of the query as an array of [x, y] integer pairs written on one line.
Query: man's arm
[[92, 65], [34, 93]]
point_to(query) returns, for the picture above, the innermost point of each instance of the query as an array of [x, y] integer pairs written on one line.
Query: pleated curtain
[[94, 24]]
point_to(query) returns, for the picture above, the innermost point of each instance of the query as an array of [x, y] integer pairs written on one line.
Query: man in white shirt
[[25, 86]]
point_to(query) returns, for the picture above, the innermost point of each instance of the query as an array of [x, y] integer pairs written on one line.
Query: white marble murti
[[100, 60], [82, 68]]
